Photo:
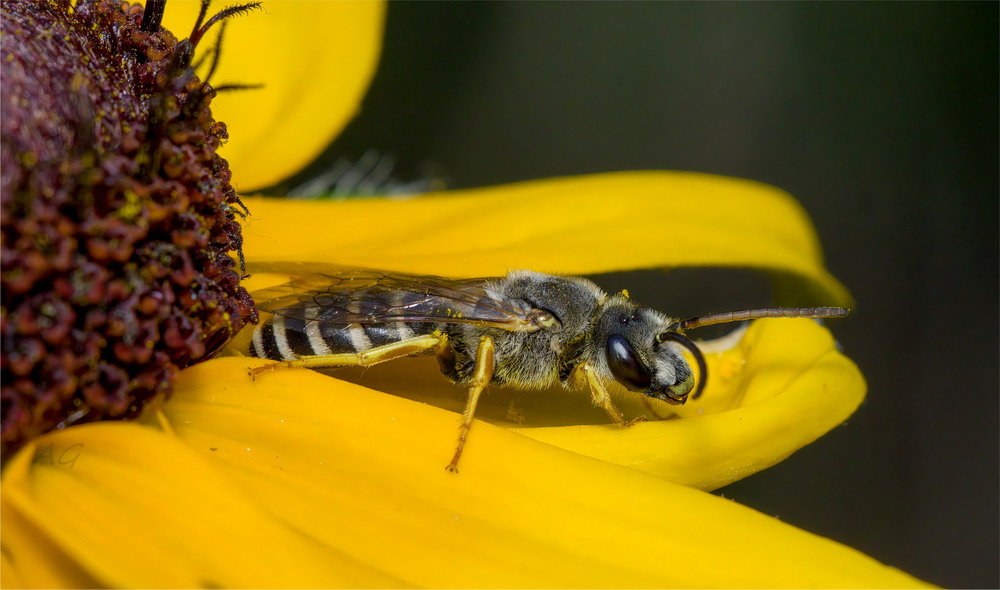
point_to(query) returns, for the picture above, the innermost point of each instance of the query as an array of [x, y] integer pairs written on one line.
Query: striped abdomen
[[287, 338]]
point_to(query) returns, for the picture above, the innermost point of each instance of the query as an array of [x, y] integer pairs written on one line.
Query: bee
[[527, 330]]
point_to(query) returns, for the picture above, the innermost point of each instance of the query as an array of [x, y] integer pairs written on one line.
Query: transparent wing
[[349, 295]]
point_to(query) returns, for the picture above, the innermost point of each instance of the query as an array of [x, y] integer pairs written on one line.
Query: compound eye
[[625, 364]]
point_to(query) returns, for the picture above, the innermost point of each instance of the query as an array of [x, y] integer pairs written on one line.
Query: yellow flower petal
[[581, 225], [127, 506], [299, 463], [315, 60], [780, 387], [733, 430], [30, 559]]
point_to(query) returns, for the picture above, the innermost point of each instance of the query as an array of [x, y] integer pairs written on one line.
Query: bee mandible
[[527, 330]]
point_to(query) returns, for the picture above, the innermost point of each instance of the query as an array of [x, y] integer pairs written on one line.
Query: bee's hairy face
[[626, 348]]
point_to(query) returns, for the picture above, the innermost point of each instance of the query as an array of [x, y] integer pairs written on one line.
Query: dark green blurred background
[[881, 118]]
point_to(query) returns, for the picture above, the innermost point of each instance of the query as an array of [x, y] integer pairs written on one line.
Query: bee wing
[[347, 295]]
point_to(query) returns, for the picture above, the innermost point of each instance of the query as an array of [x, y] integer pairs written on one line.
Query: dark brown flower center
[[118, 217]]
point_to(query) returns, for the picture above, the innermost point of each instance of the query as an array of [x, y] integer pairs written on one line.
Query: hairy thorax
[[544, 357]]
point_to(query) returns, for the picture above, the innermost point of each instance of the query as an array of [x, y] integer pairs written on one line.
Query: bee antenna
[[754, 314], [699, 359], [675, 331]]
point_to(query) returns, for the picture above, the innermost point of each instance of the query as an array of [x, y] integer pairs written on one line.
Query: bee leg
[[481, 377], [600, 396], [373, 356]]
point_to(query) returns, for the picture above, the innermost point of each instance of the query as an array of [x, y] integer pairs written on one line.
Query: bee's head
[[642, 347], [643, 353]]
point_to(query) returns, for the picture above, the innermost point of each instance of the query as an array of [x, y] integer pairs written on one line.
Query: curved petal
[[734, 430], [580, 225], [300, 463], [781, 387], [305, 102]]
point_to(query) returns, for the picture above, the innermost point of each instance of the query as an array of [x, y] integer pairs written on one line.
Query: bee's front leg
[[481, 377], [600, 396]]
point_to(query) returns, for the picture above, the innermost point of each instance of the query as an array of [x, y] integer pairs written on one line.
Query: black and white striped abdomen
[[287, 338]]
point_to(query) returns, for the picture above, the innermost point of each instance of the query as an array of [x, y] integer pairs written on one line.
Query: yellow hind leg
[[373, 356]]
